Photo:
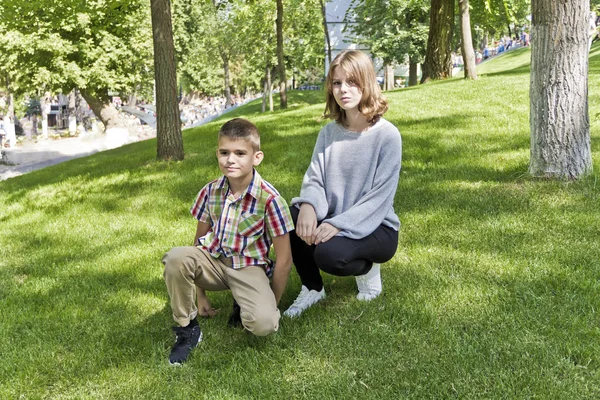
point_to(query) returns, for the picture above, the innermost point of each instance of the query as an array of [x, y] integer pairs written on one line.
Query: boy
[[239, 216]]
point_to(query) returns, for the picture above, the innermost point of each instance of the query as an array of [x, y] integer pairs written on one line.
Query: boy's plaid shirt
[[242, 228]]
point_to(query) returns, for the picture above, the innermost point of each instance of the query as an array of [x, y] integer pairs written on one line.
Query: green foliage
[[93, 44], [493, 292], [392, 29], [244, 32], [496, 16]]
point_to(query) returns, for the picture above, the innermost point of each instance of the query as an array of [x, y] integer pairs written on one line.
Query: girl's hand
[[306, 224], [325, 232]]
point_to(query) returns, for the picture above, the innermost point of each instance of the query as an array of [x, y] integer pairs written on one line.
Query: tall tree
[[280, 58], [168, 122], [326, 30], [466, 44], [393, 30], [559, 121], [438, 60]]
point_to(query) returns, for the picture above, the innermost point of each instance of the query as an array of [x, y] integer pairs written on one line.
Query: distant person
[[486, 53], [239, 216], [344, 217], [593, 33]]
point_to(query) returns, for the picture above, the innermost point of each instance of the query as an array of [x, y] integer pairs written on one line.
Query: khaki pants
[[186, 267]]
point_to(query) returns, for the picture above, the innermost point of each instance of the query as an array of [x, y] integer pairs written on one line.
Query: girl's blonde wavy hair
[[359, 69]]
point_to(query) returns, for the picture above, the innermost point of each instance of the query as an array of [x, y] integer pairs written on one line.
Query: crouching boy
[[239, 216]]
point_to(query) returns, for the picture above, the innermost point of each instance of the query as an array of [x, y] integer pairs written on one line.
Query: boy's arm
[[283, 264], [201, 230]]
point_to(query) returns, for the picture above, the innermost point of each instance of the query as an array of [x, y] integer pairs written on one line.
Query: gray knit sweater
[[352, 178]]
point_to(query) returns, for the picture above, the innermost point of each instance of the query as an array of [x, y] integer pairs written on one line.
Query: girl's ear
[[258, 157]]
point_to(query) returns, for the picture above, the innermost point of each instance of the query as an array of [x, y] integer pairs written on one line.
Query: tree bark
[[103, 108], [226, 80], [264, 98], [168, 120], [559, 121], [467, 40], [438, 61], [280, 59], [389, 76], [270, 89], [326, 30], [413, 78]]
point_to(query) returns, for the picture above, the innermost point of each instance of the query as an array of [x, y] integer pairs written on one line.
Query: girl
[[344, 216]]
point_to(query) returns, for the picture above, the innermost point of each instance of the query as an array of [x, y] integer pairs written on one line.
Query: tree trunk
[[413, 78], [270, 89], [44, 110], [467, 40], [168, 120], [280, 60], [132, 99], [326, 30], [438, 61], [265, 88], [389, 76], [34, 121], [103, 108], [226, 79], [559, 121], [11, 103]]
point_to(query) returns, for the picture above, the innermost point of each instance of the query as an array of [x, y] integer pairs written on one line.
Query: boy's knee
[[174, 261], [260, 323]]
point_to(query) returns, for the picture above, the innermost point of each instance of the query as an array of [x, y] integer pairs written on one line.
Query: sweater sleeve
[[313, 187], [373, 207]]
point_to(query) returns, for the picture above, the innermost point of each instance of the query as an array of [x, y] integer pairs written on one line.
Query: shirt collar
[[253, 188]]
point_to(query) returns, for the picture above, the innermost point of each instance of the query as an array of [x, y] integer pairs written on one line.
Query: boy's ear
[[258, 157]]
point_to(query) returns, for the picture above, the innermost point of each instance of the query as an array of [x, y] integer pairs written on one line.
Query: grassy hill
[[493, 292]]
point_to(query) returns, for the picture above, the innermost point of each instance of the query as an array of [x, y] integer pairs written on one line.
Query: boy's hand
[[325, 232], [208, 312], [204, 307], [307, 223]]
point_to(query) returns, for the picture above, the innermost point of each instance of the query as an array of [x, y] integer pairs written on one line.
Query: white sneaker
[[305, 299], [369, 284]]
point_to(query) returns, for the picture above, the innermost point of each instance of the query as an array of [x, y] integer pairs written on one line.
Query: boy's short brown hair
[[240, 128]]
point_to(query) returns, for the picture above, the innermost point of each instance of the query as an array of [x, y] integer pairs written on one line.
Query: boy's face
[[237, 158]]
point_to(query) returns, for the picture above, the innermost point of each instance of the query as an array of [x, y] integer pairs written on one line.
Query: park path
[[44, 153]]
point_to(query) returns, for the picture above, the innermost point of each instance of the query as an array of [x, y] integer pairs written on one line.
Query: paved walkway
[[33, 156], [44, 153]]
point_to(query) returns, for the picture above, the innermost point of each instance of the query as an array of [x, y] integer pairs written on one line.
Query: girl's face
[[346, 92]]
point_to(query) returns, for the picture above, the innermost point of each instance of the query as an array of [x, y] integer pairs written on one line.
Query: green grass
[[494, 291]]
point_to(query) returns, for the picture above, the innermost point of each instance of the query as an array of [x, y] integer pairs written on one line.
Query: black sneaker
[[235, 319], [186, 338]]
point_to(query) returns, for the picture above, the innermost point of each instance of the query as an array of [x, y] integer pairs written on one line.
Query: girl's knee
[[330, 259]]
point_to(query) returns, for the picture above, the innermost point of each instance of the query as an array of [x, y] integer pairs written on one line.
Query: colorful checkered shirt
[[242, 228]]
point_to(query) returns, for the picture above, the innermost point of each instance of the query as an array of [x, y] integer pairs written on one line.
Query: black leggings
[[340, 255]]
